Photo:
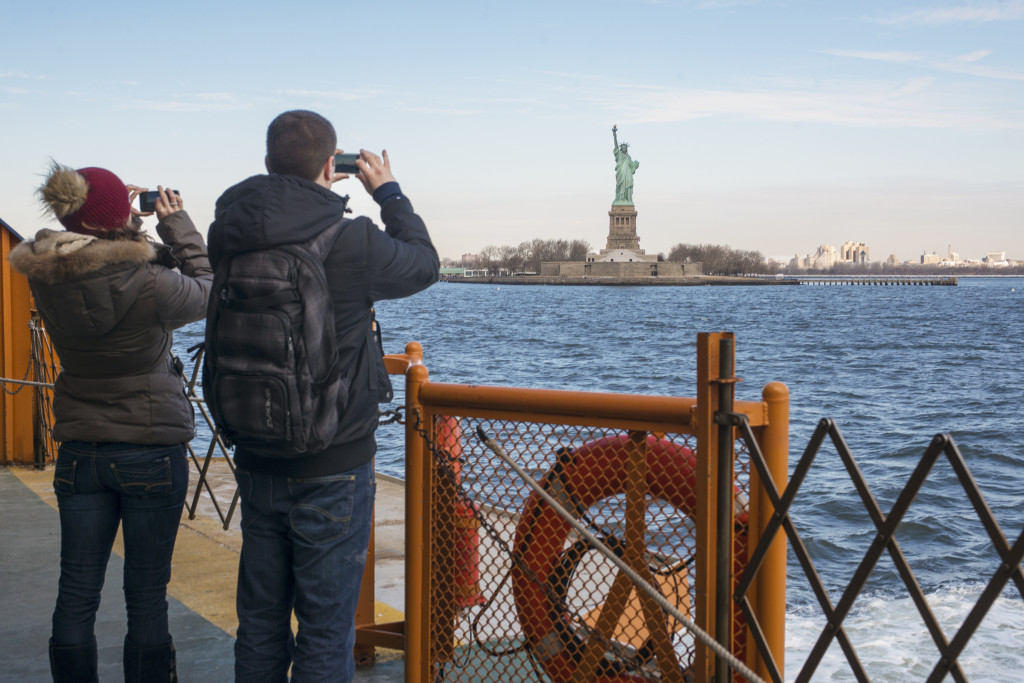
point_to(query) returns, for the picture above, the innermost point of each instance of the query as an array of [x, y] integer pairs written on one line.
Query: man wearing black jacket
[[306, 521]]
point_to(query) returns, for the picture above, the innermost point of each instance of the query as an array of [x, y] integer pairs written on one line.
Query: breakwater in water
[[881, 280]]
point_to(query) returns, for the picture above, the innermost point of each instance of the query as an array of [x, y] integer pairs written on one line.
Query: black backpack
[[271, 374]]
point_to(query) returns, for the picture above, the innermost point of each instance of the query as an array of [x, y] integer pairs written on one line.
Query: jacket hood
[[83, 284], [270, 210]]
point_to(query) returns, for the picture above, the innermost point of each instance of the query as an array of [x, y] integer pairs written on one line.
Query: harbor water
[[892, 366]]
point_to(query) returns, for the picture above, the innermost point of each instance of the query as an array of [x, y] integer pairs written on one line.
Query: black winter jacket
[[365, 265]]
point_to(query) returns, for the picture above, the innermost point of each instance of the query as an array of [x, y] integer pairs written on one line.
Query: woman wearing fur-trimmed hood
[[110, 298]]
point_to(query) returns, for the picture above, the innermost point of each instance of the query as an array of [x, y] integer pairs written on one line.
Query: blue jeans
[[101, 485], [304, 544]]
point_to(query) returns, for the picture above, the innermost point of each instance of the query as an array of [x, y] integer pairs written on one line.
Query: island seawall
[[625, 281]]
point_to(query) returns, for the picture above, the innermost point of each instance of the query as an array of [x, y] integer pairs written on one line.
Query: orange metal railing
[[498, 586]]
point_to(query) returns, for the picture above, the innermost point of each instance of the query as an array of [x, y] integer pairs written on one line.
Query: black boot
[[73, 663], [152, 664]]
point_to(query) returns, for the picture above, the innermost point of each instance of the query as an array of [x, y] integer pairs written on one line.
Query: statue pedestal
[[622, 229]]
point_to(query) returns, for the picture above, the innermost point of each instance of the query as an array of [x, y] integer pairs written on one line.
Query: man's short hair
[[298, 144]]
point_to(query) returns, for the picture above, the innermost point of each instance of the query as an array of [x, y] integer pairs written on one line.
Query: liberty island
[[623, 263]]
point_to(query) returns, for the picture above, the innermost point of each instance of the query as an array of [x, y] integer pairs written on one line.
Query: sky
[[766, 125]]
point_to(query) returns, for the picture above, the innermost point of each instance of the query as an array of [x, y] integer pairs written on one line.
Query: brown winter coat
[[110, 310]]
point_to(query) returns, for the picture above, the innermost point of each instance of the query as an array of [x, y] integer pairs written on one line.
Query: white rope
[[638, 580]]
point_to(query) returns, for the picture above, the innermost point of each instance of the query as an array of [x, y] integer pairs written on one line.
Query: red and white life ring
[[582, 477]]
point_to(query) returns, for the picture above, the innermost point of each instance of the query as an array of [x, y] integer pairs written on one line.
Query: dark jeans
[[100, 485], [304, 544]]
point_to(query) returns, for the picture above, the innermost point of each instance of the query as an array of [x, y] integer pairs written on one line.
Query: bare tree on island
[[719, 259], [527, 256]]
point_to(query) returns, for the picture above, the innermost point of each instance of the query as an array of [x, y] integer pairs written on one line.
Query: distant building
[[469, 260], [450, 272], [486, 272], [892, 260], [930, 259], [620, 256], [854, 252], [824, 258], [996, 258]]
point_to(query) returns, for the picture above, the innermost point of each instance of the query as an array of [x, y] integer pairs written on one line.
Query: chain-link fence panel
[[530, 598]]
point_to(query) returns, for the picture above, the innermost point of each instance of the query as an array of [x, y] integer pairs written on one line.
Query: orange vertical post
[[15, 309], [771, 580], [417, 523], [442, 539], [6, 330], [706, 564], [370, 634]]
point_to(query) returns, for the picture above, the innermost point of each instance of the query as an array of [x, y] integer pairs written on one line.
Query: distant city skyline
[[764, 125], [826, 256]]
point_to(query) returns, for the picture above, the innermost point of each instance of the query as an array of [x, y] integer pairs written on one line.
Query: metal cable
[[24, 382]]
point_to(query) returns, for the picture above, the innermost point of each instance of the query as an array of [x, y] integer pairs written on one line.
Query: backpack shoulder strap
[[322, 243]]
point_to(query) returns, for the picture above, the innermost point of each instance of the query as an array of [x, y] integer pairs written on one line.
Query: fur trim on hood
[[56, 256]]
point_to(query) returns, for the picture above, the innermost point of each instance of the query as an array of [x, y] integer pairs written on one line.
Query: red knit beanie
[[90, 200]]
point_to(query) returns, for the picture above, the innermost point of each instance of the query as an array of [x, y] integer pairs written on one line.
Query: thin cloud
[[880, 56], [879, 105], [974, 56], [523, 101], [192, 103], [913, 86], [23, 75], [346, 95], [714, 4], [442, 111], [696, 4], [972, 12], [567, 74], [967, 65]]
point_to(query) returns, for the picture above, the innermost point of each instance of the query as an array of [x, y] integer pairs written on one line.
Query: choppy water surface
[[892, 365]]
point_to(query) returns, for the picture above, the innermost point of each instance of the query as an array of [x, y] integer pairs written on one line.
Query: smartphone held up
[[345, 163], [147, 200]]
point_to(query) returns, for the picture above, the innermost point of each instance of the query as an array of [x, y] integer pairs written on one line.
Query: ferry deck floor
[[201, 595]]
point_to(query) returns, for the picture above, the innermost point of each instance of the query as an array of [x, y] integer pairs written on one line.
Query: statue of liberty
[[625, 167]]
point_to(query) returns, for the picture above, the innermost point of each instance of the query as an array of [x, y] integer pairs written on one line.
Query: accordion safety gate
[[578, 536]]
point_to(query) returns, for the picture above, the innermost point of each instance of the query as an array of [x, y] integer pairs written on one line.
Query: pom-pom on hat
[[89, 201]]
